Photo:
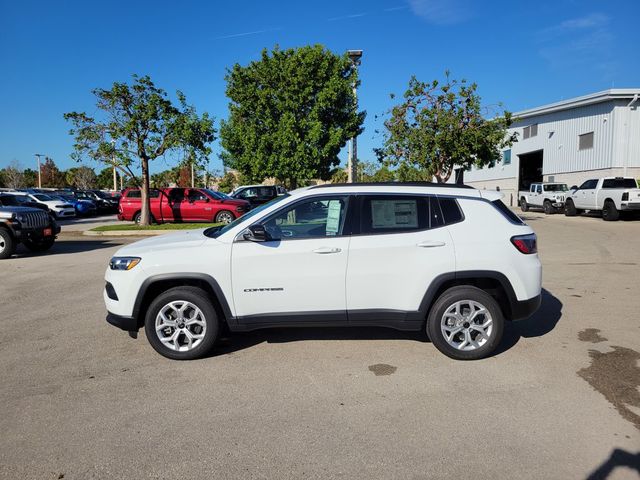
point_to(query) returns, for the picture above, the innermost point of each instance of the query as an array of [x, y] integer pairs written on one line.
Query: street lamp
[[352, 166], [38, 155]]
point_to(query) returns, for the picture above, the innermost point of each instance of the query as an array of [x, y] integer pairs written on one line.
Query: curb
[[126, 233]]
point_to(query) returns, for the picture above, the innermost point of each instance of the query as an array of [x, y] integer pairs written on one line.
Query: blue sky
[[522, 54]]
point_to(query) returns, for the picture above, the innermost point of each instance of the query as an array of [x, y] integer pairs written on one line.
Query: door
[[586, 195], [402, 246], [198, 207], [299, 273]]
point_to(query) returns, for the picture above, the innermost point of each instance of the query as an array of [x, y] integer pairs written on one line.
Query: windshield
[[44, 198], [218, 195], [215, 232], [556, 187]]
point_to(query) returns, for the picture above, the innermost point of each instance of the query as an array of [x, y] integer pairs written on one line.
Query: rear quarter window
[[507, 212], [451, 212]]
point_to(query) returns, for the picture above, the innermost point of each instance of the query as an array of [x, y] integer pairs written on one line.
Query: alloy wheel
[[180, 326], [466, 325]]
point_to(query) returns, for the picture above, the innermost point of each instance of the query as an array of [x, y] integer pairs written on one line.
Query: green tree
[[30, 178], [228, 182], [290, 114], [82, 177], [104, 179], [140, 123], [439, 127]]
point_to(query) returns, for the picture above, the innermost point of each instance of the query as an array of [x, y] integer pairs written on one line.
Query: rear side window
[[393, 214], [506, 211], [137, 194], [451, 212], [619, 183]]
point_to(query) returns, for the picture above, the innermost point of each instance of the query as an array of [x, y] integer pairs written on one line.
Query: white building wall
[[626, 144]]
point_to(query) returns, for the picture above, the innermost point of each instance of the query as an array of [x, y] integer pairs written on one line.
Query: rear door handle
[[327, 250], [431, 244]]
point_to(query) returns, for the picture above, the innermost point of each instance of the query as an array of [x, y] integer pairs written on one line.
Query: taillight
[[625, 196], [526, 244]]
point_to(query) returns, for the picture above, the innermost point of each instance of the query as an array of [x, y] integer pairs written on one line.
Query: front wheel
[[41, 245], [465, 323], [547, 207], [182, 324], [7, 244], [224, 216], [523, 205], [570, 208]]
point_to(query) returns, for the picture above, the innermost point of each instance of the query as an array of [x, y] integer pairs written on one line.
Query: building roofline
[[597, 97]]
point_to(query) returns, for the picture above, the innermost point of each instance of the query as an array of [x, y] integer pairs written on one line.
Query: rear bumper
[[630, 206], [525, 308], [124, 323]]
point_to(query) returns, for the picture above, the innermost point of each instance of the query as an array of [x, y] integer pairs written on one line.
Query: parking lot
[[560, 399]]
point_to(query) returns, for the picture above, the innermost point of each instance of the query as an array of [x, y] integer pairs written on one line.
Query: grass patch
[[162, 226]]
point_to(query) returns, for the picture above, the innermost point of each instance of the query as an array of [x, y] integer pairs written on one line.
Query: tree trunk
[[145, 213]]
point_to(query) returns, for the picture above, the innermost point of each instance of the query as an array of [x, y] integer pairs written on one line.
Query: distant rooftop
[[598, 97]]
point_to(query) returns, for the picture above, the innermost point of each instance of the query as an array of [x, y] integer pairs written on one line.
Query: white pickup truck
[[548, 196], [611, 195]]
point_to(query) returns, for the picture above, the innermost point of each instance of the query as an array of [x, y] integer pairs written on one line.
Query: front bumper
[[525, 308], [128, 324]]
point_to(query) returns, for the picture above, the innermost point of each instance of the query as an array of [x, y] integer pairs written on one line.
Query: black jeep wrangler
[[35, 228]]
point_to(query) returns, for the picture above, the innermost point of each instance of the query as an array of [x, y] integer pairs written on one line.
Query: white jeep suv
[[450, 260]]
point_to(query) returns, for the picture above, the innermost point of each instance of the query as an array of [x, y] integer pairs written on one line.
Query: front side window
[[197, 196], [589, 185], [248, 193], [314, 217]]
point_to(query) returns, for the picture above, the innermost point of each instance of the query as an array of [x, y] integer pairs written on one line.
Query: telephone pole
[[352, 165], [38, 155]]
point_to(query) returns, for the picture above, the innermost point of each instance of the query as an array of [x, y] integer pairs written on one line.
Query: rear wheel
[[610, 213], [465, 323], [224, 216], [547, 207], [7, 244], [182, 324], [523, 205], [41, 245], [138, 216]]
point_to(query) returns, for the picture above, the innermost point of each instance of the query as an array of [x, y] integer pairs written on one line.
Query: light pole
[[113, 159], [38, 155], [352, 166]]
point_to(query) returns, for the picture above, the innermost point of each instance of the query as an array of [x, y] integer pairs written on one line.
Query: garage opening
[[530, 169]]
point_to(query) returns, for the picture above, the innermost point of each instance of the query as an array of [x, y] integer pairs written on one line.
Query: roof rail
[[392, 184]]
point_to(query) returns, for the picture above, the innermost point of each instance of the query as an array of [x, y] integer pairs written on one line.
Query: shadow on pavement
[[618, 458], [540, 323], [62, 247]]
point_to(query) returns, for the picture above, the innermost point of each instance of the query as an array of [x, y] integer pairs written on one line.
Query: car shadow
[[540, 323], [63, 247], [617, 458]]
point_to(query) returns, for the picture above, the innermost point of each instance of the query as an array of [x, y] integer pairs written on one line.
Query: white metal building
[[570, 141]]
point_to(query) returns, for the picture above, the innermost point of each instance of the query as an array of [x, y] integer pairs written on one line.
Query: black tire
[[7, 244], [610, 213], [547, 207], [463, 294], [200, 299], [138, 215], [41, 245], [570, 208], [523, 205], [224, 216]]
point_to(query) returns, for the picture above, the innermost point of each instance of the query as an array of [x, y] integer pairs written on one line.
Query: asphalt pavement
[[560, 399]]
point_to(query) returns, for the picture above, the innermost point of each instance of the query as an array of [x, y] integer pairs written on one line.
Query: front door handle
[[431, 244], [327, 250]]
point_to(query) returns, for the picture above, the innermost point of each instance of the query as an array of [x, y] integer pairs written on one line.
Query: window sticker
[[333, 217], [394, 213]]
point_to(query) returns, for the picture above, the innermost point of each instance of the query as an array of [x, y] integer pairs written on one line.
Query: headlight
[[123, 263]]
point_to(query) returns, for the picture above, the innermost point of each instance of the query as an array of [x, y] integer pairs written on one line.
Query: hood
[[19, 210], [170, 241], [234, 201]]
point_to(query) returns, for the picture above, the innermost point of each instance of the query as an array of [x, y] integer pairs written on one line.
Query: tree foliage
[[82, 177], [439, 127], [139, 124], [290, 114], [13, 176], [50, 174]]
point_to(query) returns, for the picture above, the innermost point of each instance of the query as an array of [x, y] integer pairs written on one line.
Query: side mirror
[[574, 187], [256, 233]]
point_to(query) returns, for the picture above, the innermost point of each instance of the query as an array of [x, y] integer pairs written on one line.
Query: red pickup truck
[[182, 205]]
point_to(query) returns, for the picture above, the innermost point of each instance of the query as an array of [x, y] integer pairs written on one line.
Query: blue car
[[83, 207]]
